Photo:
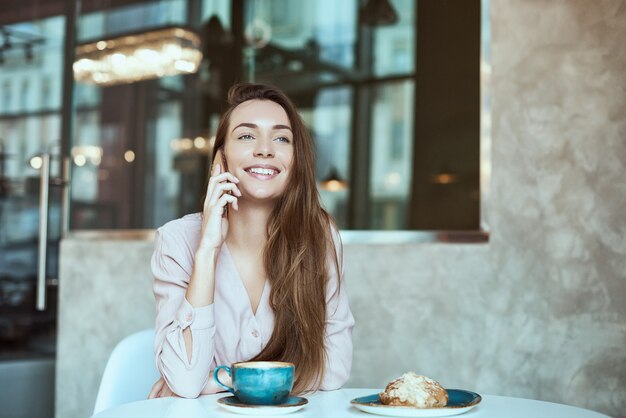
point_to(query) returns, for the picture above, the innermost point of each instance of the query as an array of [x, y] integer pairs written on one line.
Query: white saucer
[[292, 404]]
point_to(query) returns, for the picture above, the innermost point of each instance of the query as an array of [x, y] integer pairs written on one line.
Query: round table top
[[336, 404]]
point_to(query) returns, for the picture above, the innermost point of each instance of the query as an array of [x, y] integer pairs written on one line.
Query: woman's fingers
[[217, 176], [160, 390], [219, 190], [156, 388], [220, 186], [226, 199], [220, 183], [217, 169], [222, 191], [167, 392], [228, 187], [219, 206], [227, 176]]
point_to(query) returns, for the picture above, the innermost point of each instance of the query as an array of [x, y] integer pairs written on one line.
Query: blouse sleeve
[[171, 269], [339, 324]]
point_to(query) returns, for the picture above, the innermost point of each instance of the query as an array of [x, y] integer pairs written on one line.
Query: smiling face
[[259, 149]]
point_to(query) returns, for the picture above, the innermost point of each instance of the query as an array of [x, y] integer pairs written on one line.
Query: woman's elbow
[[186, 386], [184, 382], [332, 385], [335, 380]]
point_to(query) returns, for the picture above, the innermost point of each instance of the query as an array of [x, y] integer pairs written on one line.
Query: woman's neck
[[248, 225]]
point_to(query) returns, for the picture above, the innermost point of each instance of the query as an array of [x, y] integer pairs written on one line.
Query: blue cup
[[259, 382]]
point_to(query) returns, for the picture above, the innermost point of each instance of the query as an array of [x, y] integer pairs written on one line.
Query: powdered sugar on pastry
[[415, 390]]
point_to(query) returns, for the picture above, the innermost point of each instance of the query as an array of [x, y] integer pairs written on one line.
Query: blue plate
[[459, 401], [233, 404]]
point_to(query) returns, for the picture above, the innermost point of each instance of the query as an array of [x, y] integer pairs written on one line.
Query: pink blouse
[[226, 331]]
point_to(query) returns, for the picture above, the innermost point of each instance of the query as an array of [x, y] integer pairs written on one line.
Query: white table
[[336, 404]]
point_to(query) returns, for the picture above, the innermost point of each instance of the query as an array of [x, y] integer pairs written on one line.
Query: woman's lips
[[262, 173]]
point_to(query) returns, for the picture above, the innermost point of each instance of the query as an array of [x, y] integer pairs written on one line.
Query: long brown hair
[[296, 255]]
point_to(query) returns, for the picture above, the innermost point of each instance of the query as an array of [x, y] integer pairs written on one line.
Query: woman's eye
[[282, 139], [245, 137]]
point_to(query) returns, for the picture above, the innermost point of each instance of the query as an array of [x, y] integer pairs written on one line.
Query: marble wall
[[106, 294], [538, 312]]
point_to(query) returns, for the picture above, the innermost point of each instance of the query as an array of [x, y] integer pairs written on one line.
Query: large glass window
[[394, 147]]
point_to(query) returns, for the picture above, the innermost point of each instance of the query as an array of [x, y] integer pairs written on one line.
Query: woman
[[258, 274]]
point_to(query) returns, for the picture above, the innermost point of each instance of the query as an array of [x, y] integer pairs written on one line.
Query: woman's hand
[[161, 390], [221, 192]]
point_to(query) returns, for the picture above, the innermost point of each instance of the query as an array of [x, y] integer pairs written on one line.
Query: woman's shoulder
[[185, 229], [191, 221], [175, 246], [334, 246], [334, 233]]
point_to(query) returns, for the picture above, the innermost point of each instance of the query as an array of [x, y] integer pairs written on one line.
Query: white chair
[[130, 372]]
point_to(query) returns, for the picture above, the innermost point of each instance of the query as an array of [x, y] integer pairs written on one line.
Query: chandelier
[[138, 56]]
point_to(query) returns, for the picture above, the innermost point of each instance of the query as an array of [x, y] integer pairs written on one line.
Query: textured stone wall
[[105, 294]]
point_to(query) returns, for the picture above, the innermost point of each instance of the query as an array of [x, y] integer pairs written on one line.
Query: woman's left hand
[[161, 390]]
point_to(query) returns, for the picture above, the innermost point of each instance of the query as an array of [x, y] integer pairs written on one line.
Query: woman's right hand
[[160, 389], [221, 192]]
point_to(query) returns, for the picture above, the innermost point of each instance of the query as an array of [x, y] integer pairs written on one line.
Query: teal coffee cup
[[259, 382]]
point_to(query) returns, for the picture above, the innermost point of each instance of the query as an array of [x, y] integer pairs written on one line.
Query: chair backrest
[[130, 372]]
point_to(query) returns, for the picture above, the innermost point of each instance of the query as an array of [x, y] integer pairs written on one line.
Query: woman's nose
[[264, 148]]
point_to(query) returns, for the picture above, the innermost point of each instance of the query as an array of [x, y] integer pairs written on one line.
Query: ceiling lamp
[[378, 13], [333, 182], [139, 56]]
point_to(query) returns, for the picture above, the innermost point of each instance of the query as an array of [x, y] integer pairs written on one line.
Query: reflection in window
[[46, 93], [112, 22], [391, 155], [221, 9], [30, 110], [306, 36], [169, 170], [329, 121], [394, 45], [24, 93], [87, 95], [6, 96]]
